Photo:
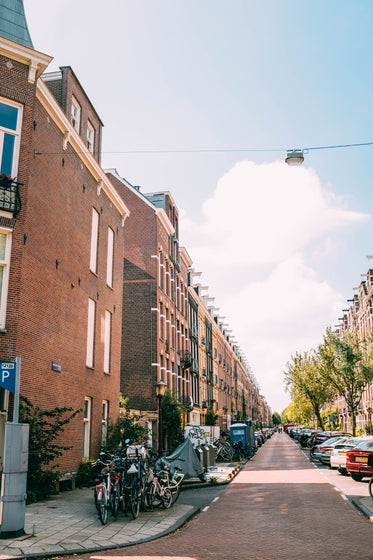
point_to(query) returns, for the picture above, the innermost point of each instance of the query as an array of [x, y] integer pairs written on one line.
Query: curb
[[357, 502]]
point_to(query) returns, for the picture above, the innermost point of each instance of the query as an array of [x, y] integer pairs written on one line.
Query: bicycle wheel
[[175, 493], [103, 506], [114, 502], [167, 498], [135, 500], [371, 487], [150, 493]]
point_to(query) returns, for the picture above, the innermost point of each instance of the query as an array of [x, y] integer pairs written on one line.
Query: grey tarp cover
[[186, 459]]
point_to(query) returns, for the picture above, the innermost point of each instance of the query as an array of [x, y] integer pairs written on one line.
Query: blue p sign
[[8, 376]]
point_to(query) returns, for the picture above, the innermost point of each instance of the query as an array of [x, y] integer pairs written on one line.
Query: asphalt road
[[279, 507]]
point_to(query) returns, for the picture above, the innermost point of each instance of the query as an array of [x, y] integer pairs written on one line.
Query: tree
[[244, 412], [211, 417], [276, 419], [306, 383], [172, 432], [127, 427], [347, 365], [45, 428]]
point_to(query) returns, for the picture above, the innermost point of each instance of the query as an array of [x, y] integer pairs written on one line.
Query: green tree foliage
[[244, 411], [128, 426], [172, 433], [276, 419], [211, 417], [45, 428], [305, 382], [347, 366]]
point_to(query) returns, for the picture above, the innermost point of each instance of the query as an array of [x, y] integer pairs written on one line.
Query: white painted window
[[91, 333], [10, 136], [110, 257], [75, 114], [105, 418], [5, 251], [90, 137], [94, 241], [107, 346], [87, 427]]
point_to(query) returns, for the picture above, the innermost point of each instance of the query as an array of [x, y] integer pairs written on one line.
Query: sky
[[202, 98]]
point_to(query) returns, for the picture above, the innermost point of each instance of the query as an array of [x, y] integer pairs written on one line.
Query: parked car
[[328, 447], [316, 450], [305, 435], [339, 453], [357, 460], [321, 436]]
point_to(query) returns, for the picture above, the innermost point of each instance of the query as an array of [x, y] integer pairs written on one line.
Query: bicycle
[[103, 493], [158, 490]]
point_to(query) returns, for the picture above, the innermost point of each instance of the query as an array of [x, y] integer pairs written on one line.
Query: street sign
[[8, 376]]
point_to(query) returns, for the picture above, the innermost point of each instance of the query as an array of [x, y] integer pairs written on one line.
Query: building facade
[[61, 238]]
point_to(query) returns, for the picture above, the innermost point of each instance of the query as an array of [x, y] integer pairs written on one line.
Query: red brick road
[[279, 507]]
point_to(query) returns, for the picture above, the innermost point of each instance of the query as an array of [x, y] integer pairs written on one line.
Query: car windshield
[[365, 445]]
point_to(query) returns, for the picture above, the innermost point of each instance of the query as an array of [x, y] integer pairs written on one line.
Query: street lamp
[[294, 157], [160, 389]]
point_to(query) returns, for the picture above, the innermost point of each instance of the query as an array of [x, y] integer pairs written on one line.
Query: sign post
[[14, 476]]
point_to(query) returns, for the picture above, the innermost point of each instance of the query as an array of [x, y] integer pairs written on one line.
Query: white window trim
[[5, 283], [94, 241], [77, 117], [91, 333], [90, 137], [16, 134], [110, 258], [87, 428], [105, 420], [107, 344]]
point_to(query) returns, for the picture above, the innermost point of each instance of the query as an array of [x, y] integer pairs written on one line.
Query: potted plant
[[6, 180]]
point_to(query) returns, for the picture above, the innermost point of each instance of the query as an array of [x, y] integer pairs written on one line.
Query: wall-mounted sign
[[56, 366], [8, 376]]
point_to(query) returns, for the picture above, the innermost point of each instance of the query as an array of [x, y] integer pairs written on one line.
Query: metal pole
[[159, 425], [16, 391]]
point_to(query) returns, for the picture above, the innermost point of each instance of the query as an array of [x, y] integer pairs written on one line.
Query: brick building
[[155, 333], [61, 244]]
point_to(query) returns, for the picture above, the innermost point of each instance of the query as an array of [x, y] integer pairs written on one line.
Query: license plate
[[342, 452], [361, 459]]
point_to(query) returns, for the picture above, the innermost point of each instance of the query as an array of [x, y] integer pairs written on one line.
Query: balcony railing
[[186, 359], [10, 201]]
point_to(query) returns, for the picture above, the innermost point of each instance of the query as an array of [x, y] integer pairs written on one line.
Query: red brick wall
[[48, 305]]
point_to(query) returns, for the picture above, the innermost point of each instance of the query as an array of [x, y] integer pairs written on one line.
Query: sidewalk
[[68, 523]]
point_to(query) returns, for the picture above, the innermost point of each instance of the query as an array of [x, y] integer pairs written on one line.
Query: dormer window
[[90, 137], [75, 114]]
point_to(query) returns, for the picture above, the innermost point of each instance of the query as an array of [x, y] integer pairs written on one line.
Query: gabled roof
[[13, 24]]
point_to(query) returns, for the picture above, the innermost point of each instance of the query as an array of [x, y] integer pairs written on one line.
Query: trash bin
[[240, 432]]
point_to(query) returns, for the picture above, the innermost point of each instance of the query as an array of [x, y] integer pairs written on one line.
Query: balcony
[[10, 201], [186, 359]]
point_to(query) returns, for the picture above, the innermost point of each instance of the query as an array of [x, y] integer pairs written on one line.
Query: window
[[91, 333], [90, 137], [75, 114], [110, 257], [104, 424], [5, 247], [87, 427], [94, 241], [10, 131], [107, 344]]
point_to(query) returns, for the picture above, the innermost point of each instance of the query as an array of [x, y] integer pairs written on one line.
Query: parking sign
[[8, 376]]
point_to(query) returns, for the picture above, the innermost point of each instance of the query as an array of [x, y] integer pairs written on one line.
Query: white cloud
[[251, 247]]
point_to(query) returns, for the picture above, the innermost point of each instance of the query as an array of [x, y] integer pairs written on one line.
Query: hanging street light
[[294, 157]]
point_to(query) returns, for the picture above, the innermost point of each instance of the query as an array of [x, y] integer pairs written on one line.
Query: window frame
[[110, 257], [75, 105], [90, 137], [4, 285], [95, 226], [107, 342], [87, 424], [91, 328], [15, 133]]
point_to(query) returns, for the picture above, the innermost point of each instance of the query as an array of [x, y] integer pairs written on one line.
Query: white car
[[338, 455]]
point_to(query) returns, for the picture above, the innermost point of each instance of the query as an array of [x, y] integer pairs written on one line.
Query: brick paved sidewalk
[[69, 523]]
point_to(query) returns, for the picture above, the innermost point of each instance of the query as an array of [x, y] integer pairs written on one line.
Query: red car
[[357, 460]]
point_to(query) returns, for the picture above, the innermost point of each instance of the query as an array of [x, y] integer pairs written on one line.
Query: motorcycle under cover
[[186, 459]]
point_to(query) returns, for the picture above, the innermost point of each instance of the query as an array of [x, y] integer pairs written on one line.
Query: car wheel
[[342, 471], [357, 477]]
